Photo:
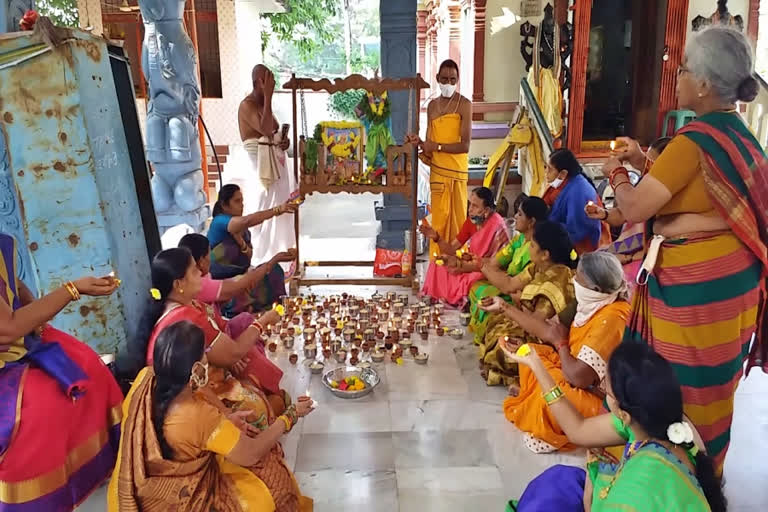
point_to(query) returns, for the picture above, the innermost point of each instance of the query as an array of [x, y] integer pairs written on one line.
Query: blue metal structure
[[68, 188]]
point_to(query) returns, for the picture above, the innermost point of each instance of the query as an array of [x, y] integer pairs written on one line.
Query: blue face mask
[[477, 219]]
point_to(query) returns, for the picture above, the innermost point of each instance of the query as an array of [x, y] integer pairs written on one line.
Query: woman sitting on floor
[[176, 281], [569, 192], [232, 250], [546, 296], [452, 273], [215, 291], [506, 273], [663, 468], [184, 449], [576, 359], [60, 425]]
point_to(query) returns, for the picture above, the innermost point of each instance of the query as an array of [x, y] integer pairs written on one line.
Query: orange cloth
[[592, 343]]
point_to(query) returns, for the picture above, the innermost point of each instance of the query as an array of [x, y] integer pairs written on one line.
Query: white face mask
[[589, 302], [556, 183], [447, 90]]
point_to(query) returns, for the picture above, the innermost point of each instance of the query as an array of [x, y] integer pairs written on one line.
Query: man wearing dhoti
[[261, 168], [446, 150]]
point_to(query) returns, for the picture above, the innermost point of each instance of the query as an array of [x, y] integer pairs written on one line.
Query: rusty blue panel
[[67, 157]]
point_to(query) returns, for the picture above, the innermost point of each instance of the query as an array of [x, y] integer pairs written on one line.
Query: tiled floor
[[434, 438]]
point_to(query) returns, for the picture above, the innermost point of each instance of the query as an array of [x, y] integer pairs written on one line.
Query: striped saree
[[703, 301]]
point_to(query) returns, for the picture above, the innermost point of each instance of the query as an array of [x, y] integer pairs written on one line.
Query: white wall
[[707, 7], [504, 66]]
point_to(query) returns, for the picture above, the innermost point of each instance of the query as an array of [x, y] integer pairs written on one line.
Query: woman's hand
[[556, 332], [304, 406], [289, 207], [239, 418], [509, 348], [610, 165], [595, 212], [269, 318], [285, 256], [493, 304], [629, 150], [96, 286], [429, 232], [412, 138], [239, 367]]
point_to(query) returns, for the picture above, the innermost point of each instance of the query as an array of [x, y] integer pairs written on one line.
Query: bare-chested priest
[[264, 176]]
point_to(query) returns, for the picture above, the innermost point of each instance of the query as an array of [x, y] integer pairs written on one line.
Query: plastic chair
[[680, 118]]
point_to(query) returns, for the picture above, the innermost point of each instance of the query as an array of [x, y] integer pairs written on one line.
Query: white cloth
[[264, 158], [243, 169], [589, 302]]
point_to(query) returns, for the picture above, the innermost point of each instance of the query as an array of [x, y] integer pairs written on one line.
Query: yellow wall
[[707, 7], [504, 66]]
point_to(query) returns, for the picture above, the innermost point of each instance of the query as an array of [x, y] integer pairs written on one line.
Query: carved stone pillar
[[478, 95], [421, 38], [11, 12], [454, 31]]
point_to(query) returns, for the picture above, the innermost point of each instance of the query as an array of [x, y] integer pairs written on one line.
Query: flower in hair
[[574, 255], [680, 433], [155, 293]]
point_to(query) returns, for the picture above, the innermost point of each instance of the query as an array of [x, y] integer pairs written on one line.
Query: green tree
[[305, 24], [61, 12]]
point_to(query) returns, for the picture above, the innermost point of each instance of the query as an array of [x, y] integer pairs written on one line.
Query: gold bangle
[[288, 425], [553, 395], [72, 289], [276, 210]]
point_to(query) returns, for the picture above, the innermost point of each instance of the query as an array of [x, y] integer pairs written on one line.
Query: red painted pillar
[[674, 40], [478, 95]]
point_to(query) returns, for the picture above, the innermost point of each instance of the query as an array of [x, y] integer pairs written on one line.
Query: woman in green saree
[[663, 468], [504, 274]]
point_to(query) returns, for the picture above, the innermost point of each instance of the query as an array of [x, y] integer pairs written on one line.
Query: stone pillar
[[11, 12], [478, 95], [454, 31], [398, 59], [421, 37]]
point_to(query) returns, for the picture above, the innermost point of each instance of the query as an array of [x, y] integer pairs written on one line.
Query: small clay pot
[[388, 345], [380, 335], [291, 331], [272, 347], [293, 358], [337, 331], [414, 350], [395, 336], [353, 361], [440, 331], [355, 352], [424, 336], [366, 347], [341, 356], [327, 353], [268, 330], [394, 357]]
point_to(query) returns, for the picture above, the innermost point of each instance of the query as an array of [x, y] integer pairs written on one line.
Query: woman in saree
[[576, 358], [663, 468], [184, 449], [176, 282], [629, 246], [505, 273], [553, 260], [232, 251], [570, 190], [451, 275], [216, 291], [60, 403], [701, 286]]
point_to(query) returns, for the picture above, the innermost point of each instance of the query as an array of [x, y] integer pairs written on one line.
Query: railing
[[757, 113]]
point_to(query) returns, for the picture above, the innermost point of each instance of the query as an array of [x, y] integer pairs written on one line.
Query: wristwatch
[[439, 147]]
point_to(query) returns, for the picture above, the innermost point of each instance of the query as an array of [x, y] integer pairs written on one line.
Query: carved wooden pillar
[[454, 31], [421, 40], [478, 95], [674, 41], [753, 20], [581, 20]]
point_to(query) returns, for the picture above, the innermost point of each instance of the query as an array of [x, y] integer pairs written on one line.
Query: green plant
[[63, 13], [344, 103], [305, 24], [310, 156]]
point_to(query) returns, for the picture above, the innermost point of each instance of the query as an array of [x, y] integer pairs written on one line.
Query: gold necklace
[[632, 449]]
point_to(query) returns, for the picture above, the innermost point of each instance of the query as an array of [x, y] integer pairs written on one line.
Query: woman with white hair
[[577, 358], [705, 201]]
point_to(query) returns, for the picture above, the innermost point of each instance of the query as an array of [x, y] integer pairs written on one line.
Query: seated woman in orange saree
[[176, 280], [183, 449], [576, 359], [547, 294], [451, 274]]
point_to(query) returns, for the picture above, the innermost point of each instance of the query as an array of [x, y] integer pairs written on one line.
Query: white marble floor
[[434, 438]]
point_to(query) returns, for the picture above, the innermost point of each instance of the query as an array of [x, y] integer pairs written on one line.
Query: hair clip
[[574, 255], [155, 293]]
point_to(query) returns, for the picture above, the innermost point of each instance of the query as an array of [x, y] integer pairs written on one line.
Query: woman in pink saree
[[452, 273]]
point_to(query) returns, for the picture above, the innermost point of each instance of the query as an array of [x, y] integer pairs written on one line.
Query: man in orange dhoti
[[449, 131]]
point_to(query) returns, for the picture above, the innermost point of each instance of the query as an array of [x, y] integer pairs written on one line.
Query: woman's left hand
[[510, 350], [270, 317], [556, 332], [610, 165], [493, 304], [239, 418]]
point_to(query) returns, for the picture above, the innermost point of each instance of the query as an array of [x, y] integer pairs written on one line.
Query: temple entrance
[[623, 72]]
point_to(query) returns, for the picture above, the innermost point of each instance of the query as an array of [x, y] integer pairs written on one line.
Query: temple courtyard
[[434, 437]]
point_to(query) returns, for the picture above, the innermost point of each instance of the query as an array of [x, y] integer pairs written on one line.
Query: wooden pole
[[296, 156]]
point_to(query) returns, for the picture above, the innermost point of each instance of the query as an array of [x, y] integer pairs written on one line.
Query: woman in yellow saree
[[577, 358], [182, 449], [548, 293], [504, 274]]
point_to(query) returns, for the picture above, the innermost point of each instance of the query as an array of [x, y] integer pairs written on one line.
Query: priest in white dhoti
[[260, 168]]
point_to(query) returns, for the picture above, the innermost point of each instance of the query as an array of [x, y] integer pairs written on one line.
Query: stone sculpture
[[172, 138]]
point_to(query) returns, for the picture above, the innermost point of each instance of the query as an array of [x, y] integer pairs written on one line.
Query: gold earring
[[701, 95], [181, 291]]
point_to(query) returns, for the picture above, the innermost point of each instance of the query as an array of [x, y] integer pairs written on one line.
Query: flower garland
[[375, 113]]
